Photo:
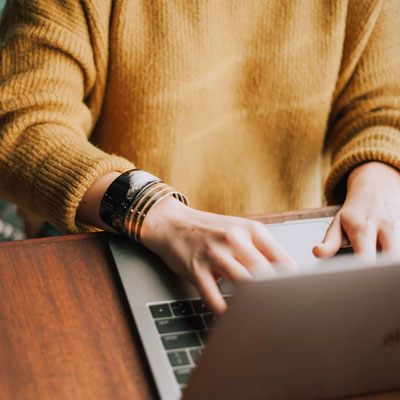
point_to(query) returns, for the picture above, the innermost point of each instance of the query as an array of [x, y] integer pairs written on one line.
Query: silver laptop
[[319, 335], [308, 336]]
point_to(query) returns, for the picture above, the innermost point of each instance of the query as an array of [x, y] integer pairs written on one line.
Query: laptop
[[318, 335], [178, 332]]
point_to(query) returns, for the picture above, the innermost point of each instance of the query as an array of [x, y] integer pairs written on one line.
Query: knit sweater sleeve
[[365, 118], [52, 78]]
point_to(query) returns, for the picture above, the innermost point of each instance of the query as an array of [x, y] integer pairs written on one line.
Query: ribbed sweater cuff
[[65, 177], [378, 143]]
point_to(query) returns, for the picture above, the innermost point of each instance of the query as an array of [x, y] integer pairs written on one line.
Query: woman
[[246, 107]]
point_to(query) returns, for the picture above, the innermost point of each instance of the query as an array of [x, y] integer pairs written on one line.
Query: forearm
[[365, 116], [88, 210], [160, 214], [50, 96]]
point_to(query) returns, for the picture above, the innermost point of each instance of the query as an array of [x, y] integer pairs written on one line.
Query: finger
[[332, 240], [210, 292], [270, 248], [252, 259], [232, 269], [389, 241], [364, 240]]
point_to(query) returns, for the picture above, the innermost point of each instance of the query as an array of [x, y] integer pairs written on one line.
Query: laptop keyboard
[[183, 327]]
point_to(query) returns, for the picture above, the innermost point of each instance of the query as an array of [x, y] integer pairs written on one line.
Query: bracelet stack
[[129, 199]]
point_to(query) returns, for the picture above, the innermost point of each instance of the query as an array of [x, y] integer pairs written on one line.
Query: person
[[244, 107]]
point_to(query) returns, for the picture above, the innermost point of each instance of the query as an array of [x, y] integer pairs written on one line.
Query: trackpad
[[299, 238]]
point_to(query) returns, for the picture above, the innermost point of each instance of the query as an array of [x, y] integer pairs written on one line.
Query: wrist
[[366, 173], [129, 199], [162, 220]]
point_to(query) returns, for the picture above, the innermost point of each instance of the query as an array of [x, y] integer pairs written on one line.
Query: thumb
[[332, 240]]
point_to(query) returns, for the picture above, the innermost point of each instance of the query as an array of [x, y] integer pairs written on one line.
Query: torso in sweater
[[245, 106], [229, 104]]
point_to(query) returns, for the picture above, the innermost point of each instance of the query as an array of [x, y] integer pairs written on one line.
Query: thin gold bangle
[[135, 208], [154, 201], [149, 201]]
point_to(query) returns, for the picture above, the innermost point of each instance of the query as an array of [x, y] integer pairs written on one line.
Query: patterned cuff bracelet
[[129, 198]]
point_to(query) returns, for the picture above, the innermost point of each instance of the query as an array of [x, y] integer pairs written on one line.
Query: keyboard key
[[345, 250], [195, 354], [181, 308], [200, 307], [160, 310], [180, 341], [181, 324], [227, 299], [182, 374], [178, 358], [203, 336], [209, 319]]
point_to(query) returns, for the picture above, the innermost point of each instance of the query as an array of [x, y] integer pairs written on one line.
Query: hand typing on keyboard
[[370, 216], [204, 247]]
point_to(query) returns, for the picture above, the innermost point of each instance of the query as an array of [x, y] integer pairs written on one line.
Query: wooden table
[[66, 331]]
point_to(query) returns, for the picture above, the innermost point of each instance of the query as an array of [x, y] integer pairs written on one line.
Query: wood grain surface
[[66, 331]]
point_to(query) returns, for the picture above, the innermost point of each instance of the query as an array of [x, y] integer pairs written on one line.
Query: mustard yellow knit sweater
[[246, 106]]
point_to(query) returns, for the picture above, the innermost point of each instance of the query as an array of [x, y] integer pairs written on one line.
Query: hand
[[197, 245], [203, 247], [370, 215]]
